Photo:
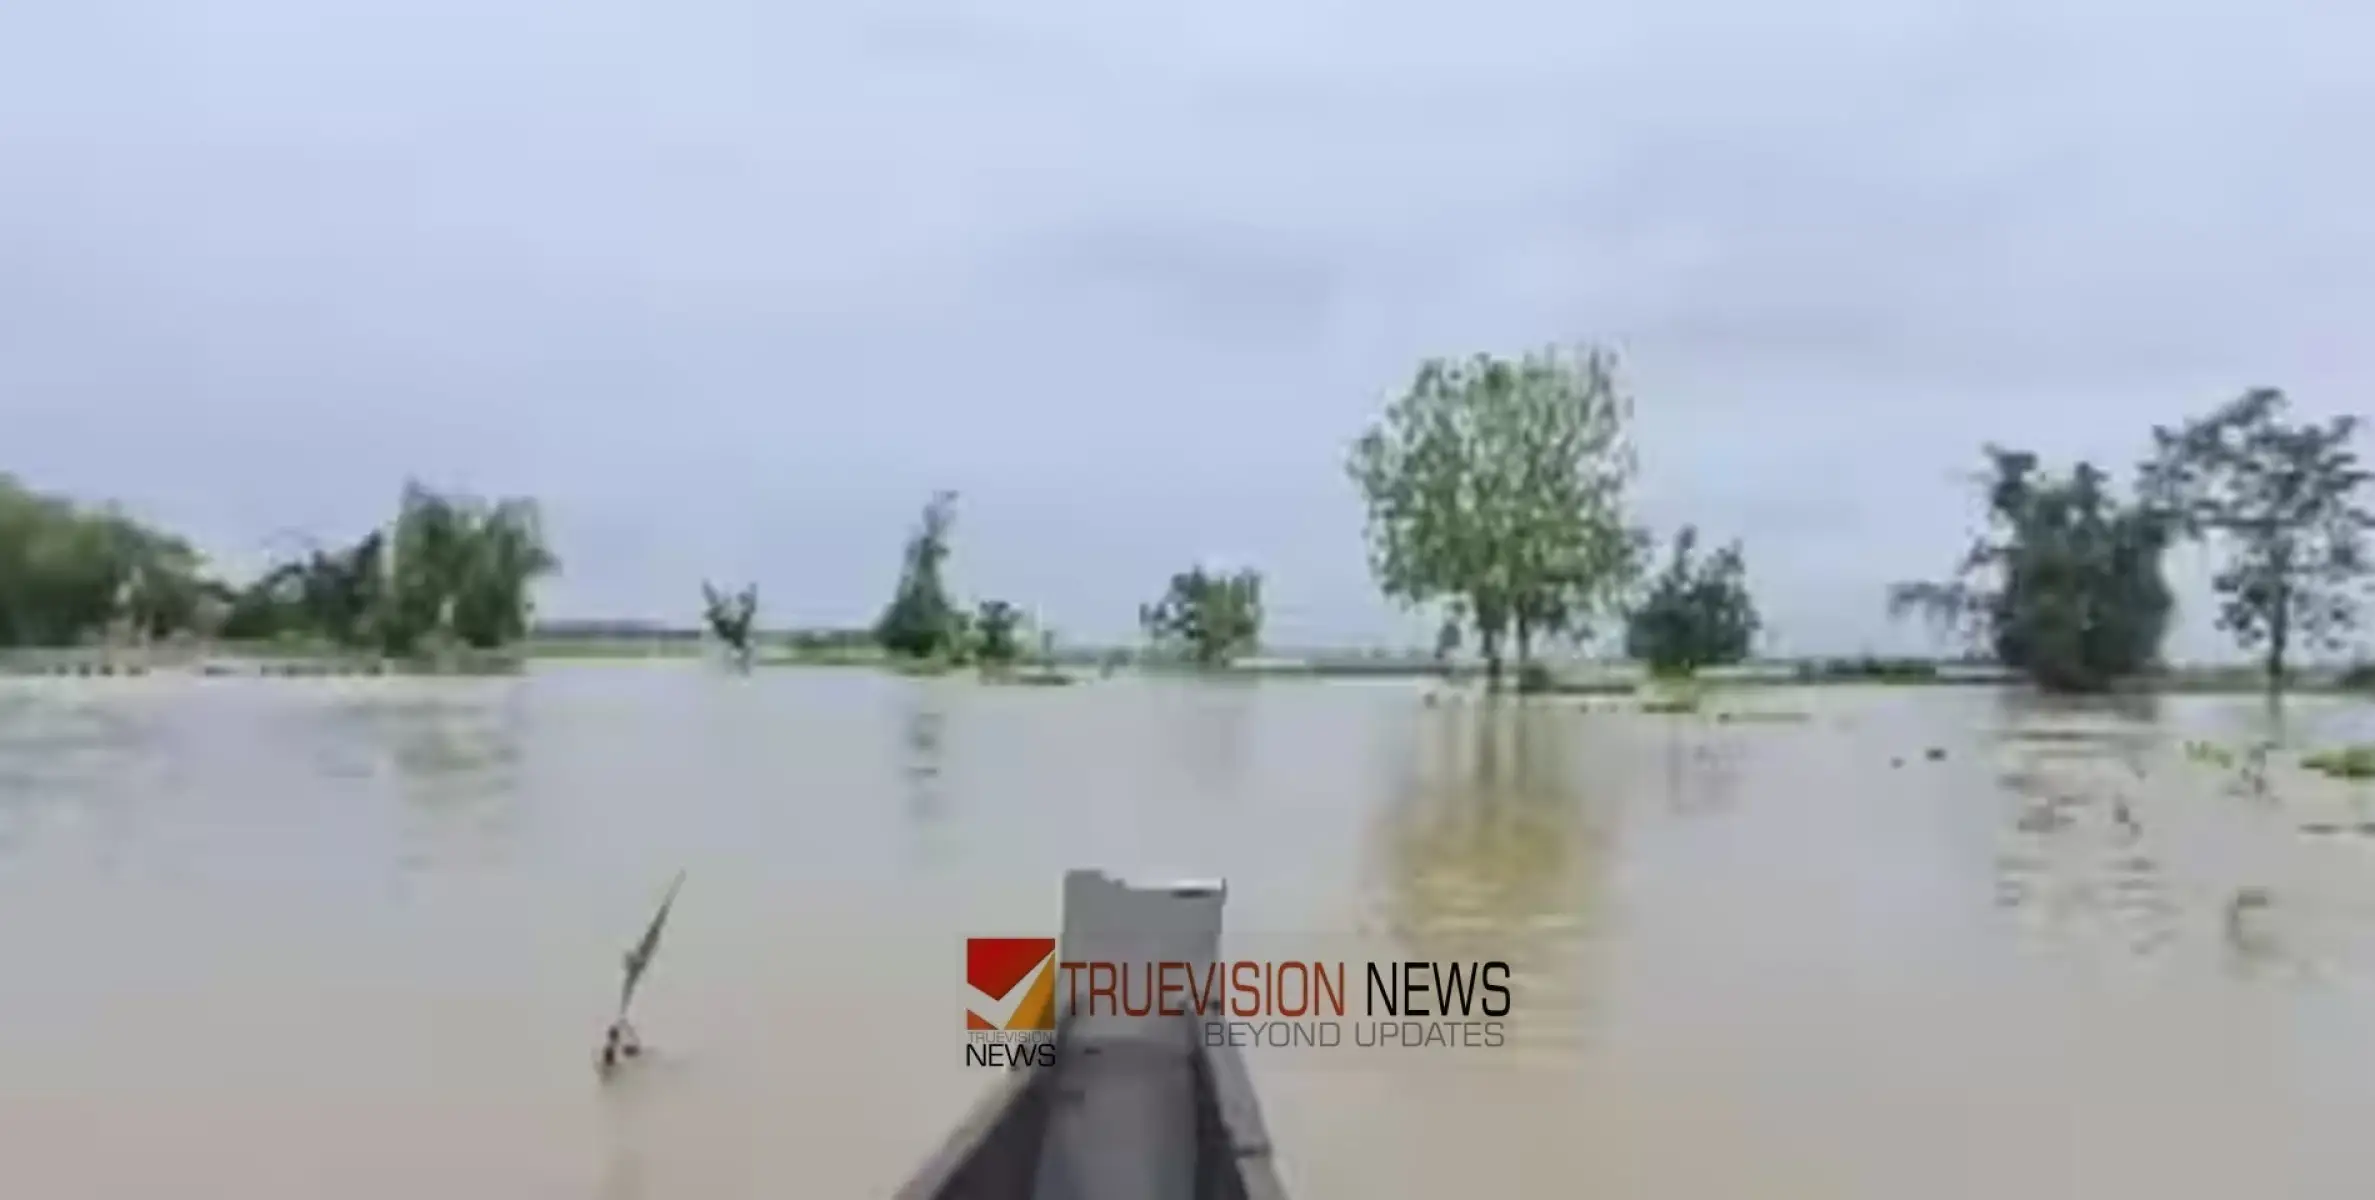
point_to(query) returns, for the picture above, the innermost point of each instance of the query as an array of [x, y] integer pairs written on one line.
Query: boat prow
[[1133, 1108]]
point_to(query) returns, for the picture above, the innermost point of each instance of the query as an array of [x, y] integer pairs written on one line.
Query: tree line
[[2068, 584], [1497, 498], [1203, 617], [448, 571], [1496, 494]]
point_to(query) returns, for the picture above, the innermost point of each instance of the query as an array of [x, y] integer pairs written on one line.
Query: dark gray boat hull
[[1012, 1146]]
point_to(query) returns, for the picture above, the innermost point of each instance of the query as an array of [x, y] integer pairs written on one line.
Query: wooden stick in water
[[621, 1039]]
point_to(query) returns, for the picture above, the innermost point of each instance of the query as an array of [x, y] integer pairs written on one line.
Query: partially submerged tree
[[730, 616], [1213, 617], [450, 567], [460, 571], [2285, 502], [1697, 613], [70, 574], [2066, 584], [921, 621], [1497, 490], [997, 629]]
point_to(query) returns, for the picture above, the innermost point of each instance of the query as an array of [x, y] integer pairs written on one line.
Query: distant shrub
[[2349, 762], [1869, 668], [1535, 678]]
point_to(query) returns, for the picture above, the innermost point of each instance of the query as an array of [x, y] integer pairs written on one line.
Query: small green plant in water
[[2348, 762]]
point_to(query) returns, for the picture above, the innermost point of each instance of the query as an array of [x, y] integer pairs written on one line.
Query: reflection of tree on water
[[75, 755], [456, 760], [1213, 733], [1702, 769], [1489, 847], [922, 755], [2078, 860]]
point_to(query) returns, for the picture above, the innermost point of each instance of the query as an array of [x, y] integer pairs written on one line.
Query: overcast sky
[[731, 286]]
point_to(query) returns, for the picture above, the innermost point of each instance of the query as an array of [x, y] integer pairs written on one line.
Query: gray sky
[[732, 286]]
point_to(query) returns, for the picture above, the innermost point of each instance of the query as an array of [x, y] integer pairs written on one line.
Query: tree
[[450, 566], [460, 571], [69, 574], [1496, 489], [504, 556], [730, 617], [2283, 501], [2066, 584], [997, 629], [1697, 613], [1447, 643], [920, 621], [1215, 617]]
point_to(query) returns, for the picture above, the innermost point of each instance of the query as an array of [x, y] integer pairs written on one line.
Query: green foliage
[[2349, 762], [2066, 586], [459, 571], [1214, 617], [70, 574], [1870, 667], [1535, 678], [1447, 641], [452, 568], [997, 627], [1697, 614], [2283, 501], [730, 616], [1496, 489], [920, 621]]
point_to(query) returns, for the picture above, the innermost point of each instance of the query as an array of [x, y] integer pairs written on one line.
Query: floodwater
[[293, 939]]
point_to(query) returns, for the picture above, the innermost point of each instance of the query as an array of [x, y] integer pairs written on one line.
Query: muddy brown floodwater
[[285, 940]]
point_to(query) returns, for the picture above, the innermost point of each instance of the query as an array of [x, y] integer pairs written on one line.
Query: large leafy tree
[[921, 620], [1496, 489], [2285, 501], [2065, 585], [1697, 613], [1214, 617], [461, 571], [70, 573]]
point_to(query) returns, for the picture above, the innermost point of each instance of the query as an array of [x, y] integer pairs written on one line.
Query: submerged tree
[[1496, 489], [69, 573], [921, 621], [2066, 585], [1698, 613], [2285, 502], [1214, 617], [997, 631], [730, 616], [450, 567], [460, 571]]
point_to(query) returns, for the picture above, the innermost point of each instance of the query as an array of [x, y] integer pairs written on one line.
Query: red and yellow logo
[[1015, 976]]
